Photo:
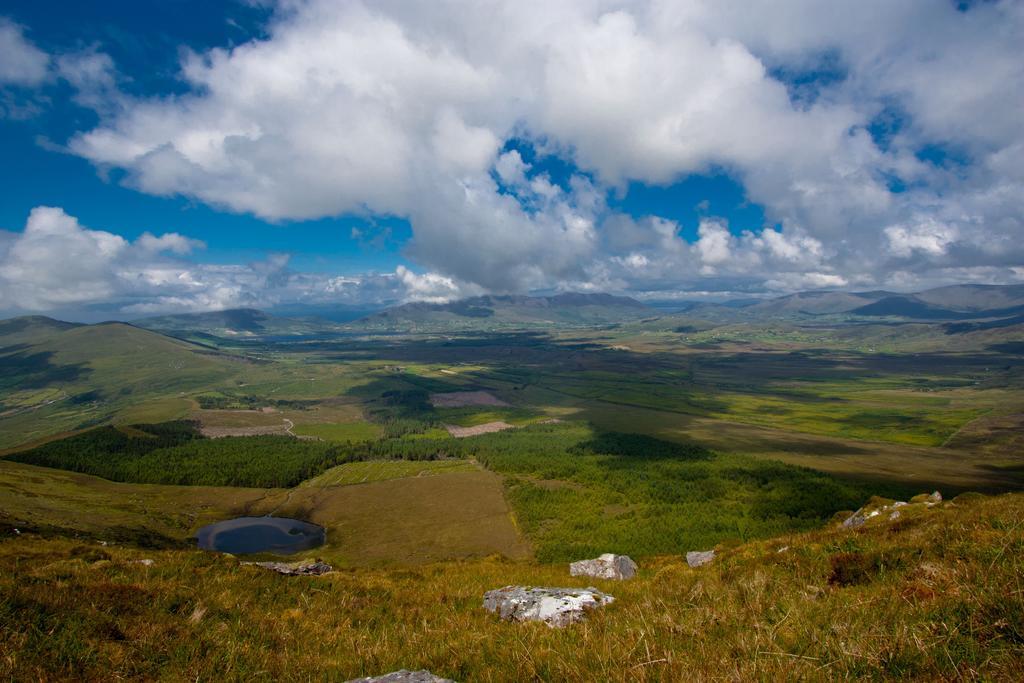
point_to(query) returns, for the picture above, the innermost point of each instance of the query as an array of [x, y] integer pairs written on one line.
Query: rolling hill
[[60, 376], [485, 312], [952, 303], [235, 324]]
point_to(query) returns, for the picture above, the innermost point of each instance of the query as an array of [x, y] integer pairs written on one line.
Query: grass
[[410, 520], [382, 470], [396, 521], [934, 597], [67, 503]]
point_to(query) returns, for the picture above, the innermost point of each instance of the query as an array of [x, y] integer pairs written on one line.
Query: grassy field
[[411, 520], [382, 470], [66, 503], [397, 521], [934, 596]]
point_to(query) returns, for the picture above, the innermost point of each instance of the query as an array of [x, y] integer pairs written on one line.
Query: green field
[[382, 470]]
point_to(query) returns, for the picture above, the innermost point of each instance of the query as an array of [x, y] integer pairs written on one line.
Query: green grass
[[473, 416], [578, 493], [382, 470]]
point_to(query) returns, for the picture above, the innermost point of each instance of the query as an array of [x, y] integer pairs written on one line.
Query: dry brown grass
[[411, 520], [943, 601]]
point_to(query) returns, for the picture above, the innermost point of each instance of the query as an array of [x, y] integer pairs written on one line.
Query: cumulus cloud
[[55, 263], [402, 109]]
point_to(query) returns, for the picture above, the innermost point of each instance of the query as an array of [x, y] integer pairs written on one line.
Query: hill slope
[[510, 311], [932, 595], [238, 323], [60, 377]]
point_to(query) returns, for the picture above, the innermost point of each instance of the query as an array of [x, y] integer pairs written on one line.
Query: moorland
[[601, 424]]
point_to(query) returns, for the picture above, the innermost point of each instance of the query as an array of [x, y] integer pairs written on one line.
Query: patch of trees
[[176, 453]]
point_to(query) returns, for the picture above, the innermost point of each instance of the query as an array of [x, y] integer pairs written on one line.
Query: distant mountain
[[974, 298], [510, 311], [233, 324], [956, 302], [816, 302]]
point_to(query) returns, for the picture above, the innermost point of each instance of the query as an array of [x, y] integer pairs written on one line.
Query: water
[[278, 535]]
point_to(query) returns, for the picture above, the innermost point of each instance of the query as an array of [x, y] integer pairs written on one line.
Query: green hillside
[[59, 377]]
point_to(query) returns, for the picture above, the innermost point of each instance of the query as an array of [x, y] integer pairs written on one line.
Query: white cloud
[[21, 62], [55, 263], [402, 109], [925, 235]]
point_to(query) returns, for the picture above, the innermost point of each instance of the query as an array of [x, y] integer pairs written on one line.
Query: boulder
[[556, 607], [698, 558], [607, 566], [404, 676], [302, 569]]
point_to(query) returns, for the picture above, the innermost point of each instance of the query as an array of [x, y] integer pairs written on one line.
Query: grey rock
[[145, 563], [404, 676], [934, 498], [856, 519], [303, 569], [556, 607], [697, 558], [607, 566]]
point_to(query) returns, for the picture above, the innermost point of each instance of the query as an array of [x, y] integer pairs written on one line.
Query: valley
[[443, 457]]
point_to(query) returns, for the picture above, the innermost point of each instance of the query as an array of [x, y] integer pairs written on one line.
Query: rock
[[145, 563], [608, 566], [303, 569], [935, 498], [894, 515], [697, 558], [858, 518], [404, 676], [556, 607]]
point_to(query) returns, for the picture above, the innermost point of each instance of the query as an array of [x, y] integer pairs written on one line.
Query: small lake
[[278, 535]]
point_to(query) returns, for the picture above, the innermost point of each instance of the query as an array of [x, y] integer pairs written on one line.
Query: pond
[[278, 535]]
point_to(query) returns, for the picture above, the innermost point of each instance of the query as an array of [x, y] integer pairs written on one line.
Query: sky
[[193, 155]]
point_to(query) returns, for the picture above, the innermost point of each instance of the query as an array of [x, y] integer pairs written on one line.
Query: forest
[[576, 492]]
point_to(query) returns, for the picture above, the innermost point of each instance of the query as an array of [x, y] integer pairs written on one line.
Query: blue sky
[[148, 59], [666, 151]]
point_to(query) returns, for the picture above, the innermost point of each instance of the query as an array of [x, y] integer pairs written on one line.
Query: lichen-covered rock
[[891, 509], [556, 607], [404, 676], [699, 558], [607, 566], [302, 569]]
